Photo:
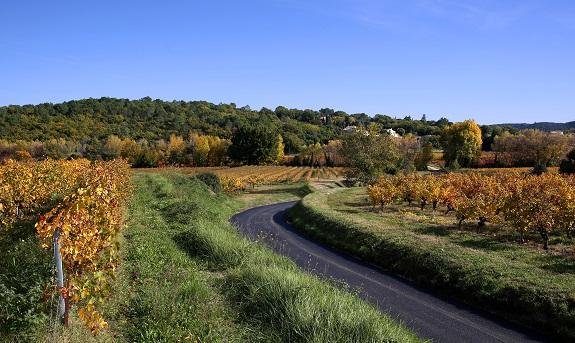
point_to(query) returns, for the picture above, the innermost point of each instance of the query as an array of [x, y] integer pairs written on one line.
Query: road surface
[[429, 315]]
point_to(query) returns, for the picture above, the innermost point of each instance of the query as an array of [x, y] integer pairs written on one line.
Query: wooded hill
[[96, 119], [543, 126]]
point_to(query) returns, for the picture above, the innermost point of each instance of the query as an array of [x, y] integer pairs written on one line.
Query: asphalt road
[[430, 316]]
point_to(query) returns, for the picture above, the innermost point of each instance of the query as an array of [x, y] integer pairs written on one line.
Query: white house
[[392, 132], [350, 129]]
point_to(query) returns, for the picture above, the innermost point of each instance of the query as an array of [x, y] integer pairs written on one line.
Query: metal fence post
[[59, 277]]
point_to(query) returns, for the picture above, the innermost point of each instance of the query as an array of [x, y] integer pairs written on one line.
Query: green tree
[[408, 147], [462, 143], [149, 157], [254, 145], [424, 157], [311, 155], [368, 155], [567, 165], [293, 143]]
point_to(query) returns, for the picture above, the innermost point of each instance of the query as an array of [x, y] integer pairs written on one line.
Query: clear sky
[[494, 60]]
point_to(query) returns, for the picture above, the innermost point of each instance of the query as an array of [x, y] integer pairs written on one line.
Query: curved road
[[430, 316]]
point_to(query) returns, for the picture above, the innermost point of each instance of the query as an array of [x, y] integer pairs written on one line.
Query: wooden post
[[62, 310]]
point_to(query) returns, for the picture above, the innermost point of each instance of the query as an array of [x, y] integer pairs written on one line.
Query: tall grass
[[266, 297], [302, 309], [163, 294]]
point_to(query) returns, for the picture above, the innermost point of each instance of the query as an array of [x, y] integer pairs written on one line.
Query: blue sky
[[494, 61]]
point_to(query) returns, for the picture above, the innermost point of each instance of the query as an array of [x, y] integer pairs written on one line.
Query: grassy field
[[523, 283]]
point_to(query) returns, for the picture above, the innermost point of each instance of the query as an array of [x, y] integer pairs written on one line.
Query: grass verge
[[188, 274], [520, 284]]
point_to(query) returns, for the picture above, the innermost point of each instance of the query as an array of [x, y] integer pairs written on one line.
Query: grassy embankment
[[522, 283], [189, 275]]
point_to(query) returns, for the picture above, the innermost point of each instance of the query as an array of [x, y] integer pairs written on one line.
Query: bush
[[24, 273], [539, 168], [567, 166], [211, 180], [454, 165]]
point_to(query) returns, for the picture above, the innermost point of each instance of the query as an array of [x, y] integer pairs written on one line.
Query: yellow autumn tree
[[462, 143], [201, 148], [113, 147], [218, 150], [176, 150], [280, 150]]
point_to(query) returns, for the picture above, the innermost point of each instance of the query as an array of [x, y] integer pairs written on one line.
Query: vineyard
[[240, 178], [518, 170], [81, 200], [526, 203]]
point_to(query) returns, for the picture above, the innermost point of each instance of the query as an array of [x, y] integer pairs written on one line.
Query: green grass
[[187, 273], [166, 295], [24, 272], [522, 283]]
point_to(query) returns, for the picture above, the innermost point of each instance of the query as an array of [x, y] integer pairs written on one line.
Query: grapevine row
[[527, 203], [241, 178], [85, 201]]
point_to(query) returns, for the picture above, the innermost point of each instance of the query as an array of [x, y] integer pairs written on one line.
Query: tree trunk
[[545, 235], [482, 221], [67, 305], [460, 221]]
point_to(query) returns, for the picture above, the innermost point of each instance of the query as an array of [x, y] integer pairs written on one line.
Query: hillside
[[95, 119], [543, 126]]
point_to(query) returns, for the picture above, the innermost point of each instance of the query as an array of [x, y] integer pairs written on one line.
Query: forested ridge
[[544, 126], [97, 119]]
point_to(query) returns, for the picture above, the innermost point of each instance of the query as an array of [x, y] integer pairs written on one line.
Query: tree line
[[370, 154], [248, 145], [151, 133], [90, 121]]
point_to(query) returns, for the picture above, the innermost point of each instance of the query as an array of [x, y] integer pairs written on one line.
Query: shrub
[[539, 168], [24, 273], [567, 166], [454, 165], [211, 180]]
